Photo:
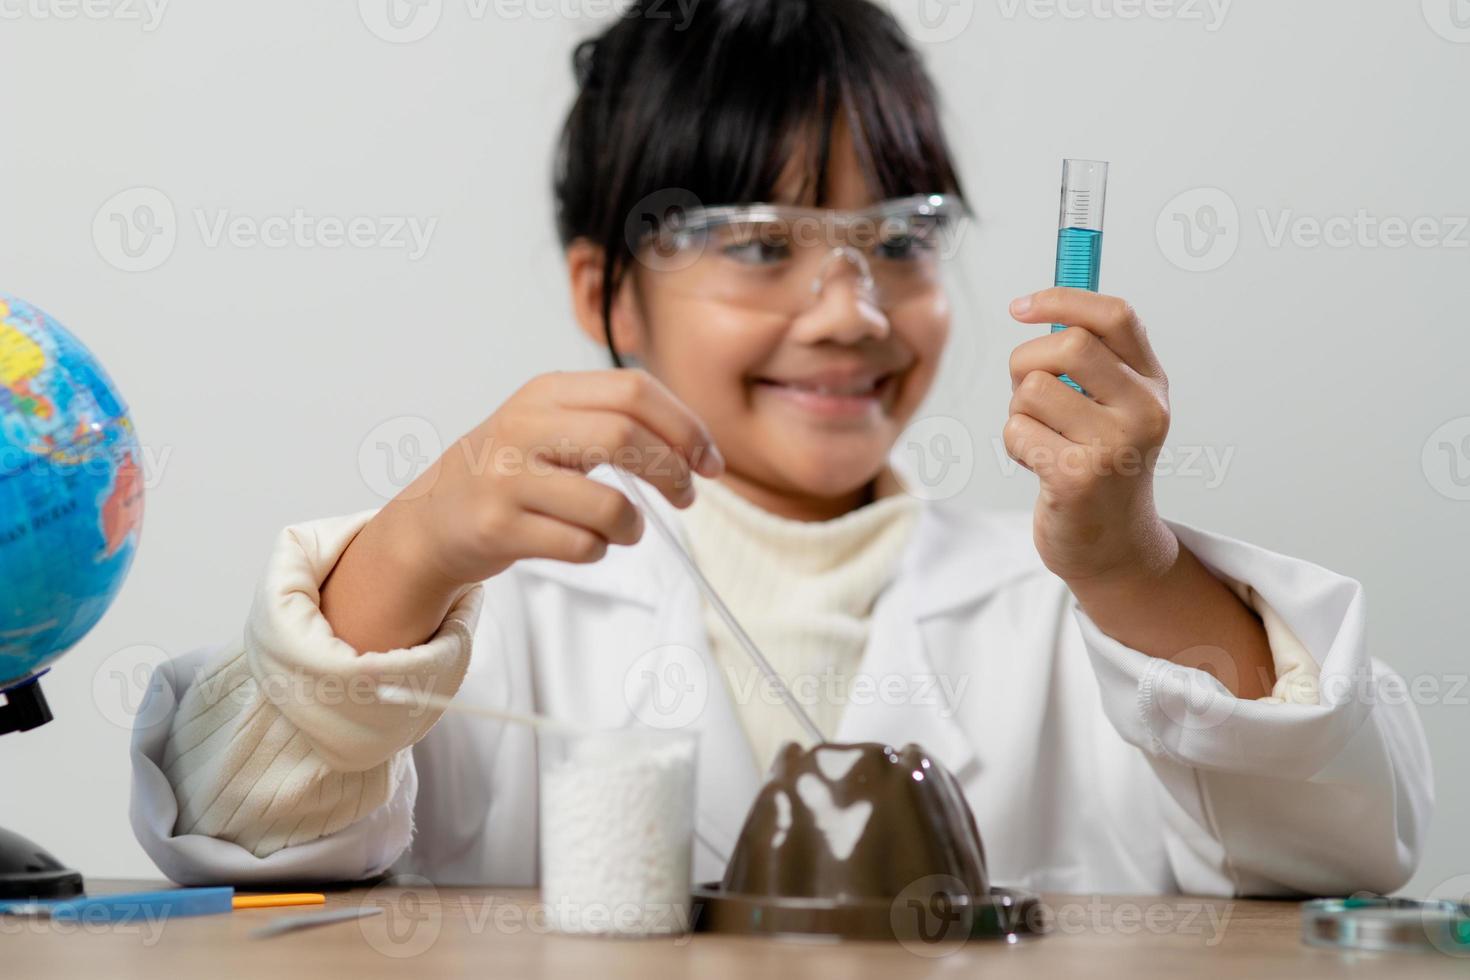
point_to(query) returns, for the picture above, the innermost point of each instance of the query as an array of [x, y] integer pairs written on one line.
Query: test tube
[[1080, 229]]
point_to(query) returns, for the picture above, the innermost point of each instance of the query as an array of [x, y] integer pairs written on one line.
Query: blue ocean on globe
[[71, 491]]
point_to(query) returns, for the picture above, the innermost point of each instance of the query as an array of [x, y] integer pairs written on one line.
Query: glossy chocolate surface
[[859, 821]]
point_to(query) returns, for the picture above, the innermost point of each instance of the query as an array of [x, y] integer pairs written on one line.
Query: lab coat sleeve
[[1272, 798], [271, 758]]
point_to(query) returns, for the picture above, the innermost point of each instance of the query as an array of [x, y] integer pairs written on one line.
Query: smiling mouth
[[833, 398]]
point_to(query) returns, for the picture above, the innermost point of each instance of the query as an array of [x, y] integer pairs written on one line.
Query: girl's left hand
[[1095, 453]]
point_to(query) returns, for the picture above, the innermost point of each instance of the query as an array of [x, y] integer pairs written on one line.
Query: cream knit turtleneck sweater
[[805, 593]]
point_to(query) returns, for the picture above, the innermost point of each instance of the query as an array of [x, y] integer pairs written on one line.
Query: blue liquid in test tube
[[1080, 229]]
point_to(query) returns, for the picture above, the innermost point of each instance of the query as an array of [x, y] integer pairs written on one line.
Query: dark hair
[[710, 101]]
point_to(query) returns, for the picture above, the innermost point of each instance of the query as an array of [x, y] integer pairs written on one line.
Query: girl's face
[[804, 408]]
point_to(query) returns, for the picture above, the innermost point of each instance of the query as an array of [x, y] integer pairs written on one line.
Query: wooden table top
[[488, 932]]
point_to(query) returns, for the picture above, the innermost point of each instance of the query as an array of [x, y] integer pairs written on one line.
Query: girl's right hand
[[516, 487]]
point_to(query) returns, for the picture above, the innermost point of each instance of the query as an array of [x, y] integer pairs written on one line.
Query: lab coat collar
[[904, 701], [958, 559]]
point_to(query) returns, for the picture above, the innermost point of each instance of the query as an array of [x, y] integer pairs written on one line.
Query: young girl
[[754, 206]]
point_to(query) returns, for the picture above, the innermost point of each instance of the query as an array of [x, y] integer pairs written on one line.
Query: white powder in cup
[[617, 825]]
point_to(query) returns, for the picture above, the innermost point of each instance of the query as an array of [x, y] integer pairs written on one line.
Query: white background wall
[[256, 373]]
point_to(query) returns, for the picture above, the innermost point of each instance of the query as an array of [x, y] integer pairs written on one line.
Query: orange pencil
[[277, 901]]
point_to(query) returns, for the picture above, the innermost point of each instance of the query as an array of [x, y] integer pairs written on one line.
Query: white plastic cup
[[617, 831]]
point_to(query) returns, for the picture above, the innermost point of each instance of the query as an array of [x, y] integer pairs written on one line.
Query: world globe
[[71, 496]]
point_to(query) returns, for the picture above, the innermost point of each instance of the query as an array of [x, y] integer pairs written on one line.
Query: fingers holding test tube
[[1105, 350], [1093, 452], [1079, 355], [1110, 318], [1090, 405]]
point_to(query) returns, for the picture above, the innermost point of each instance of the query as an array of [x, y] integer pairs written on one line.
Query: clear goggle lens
[[782, 259]]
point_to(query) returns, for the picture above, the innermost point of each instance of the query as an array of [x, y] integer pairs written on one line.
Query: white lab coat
[[1090, 767]]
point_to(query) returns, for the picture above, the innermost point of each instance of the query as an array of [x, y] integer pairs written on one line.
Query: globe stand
[[24, 707], [27, 871]]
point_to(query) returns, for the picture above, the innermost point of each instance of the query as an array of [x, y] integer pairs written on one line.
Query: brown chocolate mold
[[862, 841]]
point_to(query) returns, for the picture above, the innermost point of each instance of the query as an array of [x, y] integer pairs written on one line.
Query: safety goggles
[[781, 259]]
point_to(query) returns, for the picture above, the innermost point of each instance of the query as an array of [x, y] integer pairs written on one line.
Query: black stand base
[[24, 707], [26, 871]]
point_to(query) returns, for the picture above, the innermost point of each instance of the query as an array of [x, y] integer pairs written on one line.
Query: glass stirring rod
[[1080, 229], [718, 604]]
